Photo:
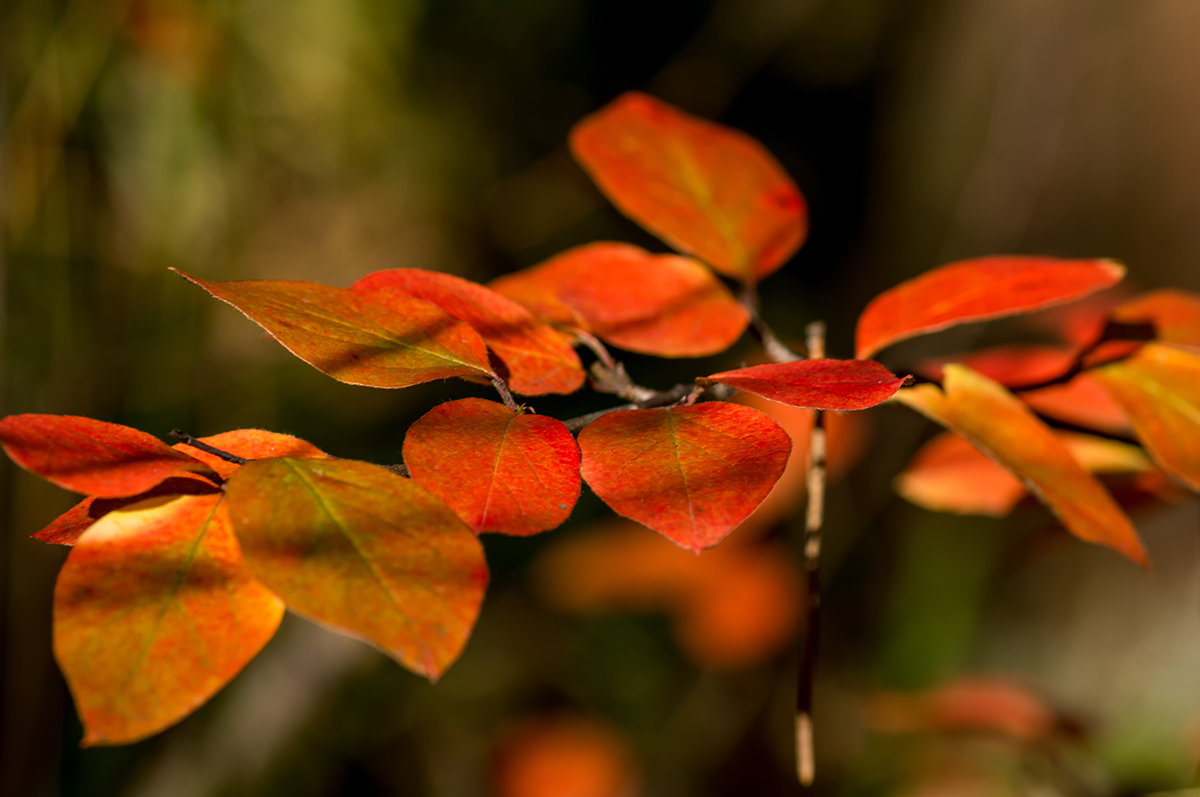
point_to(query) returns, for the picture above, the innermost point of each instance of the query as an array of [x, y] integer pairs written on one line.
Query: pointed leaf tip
[[816, 384], [690, 473], [976, 290]]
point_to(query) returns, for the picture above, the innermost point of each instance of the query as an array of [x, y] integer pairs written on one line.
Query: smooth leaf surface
[[539, 360], [664, 305], [705, 189], [90, 456], [1004, 428], [815, 384], [499, 470], [690, 473], [154, 611], [393, 341], [250, 444], [977, 290], [1159, 388], [66, 528], [357, 547], [1174, 313]]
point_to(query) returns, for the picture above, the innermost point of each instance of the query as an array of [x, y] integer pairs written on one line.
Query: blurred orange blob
[[563, 756], [980, 705]]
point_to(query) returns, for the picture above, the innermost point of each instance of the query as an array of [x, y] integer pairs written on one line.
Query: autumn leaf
[[154, 612], [816, 384], [557, 755], [359, 548], [539, 360], [664, 305], [705, 189], [977, 290], [1174, 313], [382, 341], [949, 474], [690, 473], [965, 705], [1001, 426], [66, 528], [1159, 388], [498, 469], [89, 456], [250, 444]]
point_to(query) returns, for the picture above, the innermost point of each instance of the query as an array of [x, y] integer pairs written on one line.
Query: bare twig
[[505, 394], [188, 440]]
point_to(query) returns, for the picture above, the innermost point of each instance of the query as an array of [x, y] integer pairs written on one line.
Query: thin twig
[[680, 394], [505, 394], [813, 520], [188, 440]]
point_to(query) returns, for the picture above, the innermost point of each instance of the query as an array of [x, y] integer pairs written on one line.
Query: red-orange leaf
[[690, 473], [1175, 314], [250, 444], [539, 360], [66, 528], [89, 456], [705, 189], [1159, 388], [499, 470], [976, 290], [393, 341], [154, 612], [537, 288], [1002, 427], [816, 384], [364, 550]]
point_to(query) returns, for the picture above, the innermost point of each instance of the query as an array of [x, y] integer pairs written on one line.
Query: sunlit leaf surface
[[816, 384]]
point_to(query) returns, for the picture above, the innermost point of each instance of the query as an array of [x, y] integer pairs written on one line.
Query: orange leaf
[[89, 456], [393, 341], [1175, 314], [364, 550], [815, 384], [705, 189], [665, 305], [154, 612], [977, 290], [250, 444], [1002, 427], [563, 756], [66, 528], [539, 360], [1159, 388], [690, 473], [1013, 365], [966, 705], [499, 470]]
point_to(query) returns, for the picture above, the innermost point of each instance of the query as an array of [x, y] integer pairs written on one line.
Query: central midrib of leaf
[[699, 188]]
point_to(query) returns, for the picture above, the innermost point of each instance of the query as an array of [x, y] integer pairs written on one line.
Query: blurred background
[[321, 141]]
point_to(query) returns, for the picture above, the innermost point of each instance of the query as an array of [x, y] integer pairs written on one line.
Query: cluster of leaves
[[184, 557]]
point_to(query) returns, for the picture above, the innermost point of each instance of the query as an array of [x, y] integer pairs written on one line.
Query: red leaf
[[364, 550], [1013, 365], [1175, 314], [1081, 401], [1159, 388], [1004, 429], [665, 305], [690, 473], [966, 705], [705, 189], [815, 384], [539, 360], [66, 528], [500, 471], [89, 456], [153, 613], [392, 341], [976, 290], [250, 444]]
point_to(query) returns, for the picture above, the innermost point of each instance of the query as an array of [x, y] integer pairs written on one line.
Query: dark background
[[322, 141]]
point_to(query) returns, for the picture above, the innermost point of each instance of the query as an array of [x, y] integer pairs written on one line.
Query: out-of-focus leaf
[[154, 612], [557, 755], [705, 189], [90, 456], [539, 360], [364, 550], [966, 705], [816, 384], [1174, 313], [1013, 365], [732, 607], [976, 290], [1159, 388], [664, 305], [379, 341], [949, 474], [250, 444], [499, 470], [1005, 429], [690, 473]]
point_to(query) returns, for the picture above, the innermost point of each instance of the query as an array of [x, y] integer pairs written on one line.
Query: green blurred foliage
[[322, 141]]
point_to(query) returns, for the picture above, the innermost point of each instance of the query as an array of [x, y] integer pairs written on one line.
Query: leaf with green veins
[[387, 340], [154, 612], [357, 547], [690, 473]]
